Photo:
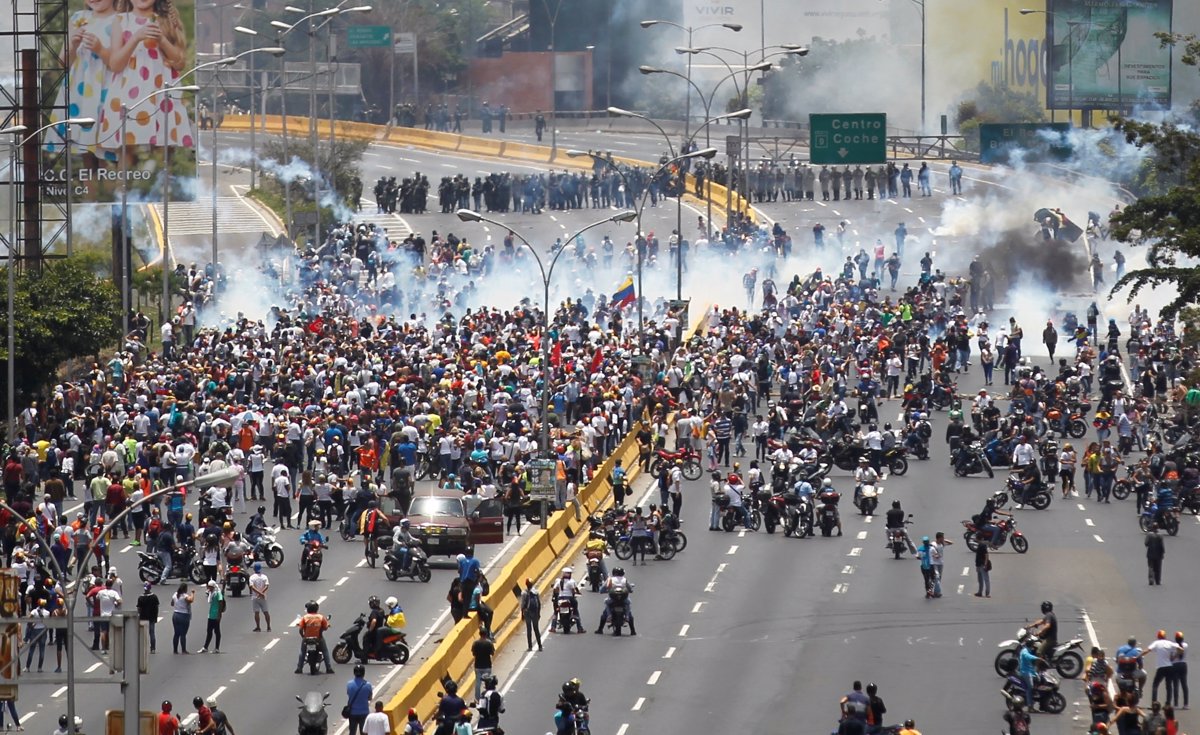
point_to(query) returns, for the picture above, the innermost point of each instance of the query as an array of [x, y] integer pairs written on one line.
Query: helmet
[[262, 509], [826, 482], [1047, 606], [311, 606], [404, 523], [166, 705], [373, 602], [896, 504], [570, 687], [62, 721], [460, 558], [955, 415], [568, 571], [227, 526], [360, 670], [618, 571], [314, 524], [373, 504], [391, 602], [872, 689], [197, 702]]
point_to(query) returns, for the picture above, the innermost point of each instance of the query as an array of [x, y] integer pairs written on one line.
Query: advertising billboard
[[1103, 54], [121, 59]]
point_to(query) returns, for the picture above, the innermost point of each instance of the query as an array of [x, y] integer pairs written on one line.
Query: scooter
[[867, 498], [565, 613], [184, 565], [268, 549], [593, 570], [310, 561], [313, 718], [393, 646], [418, 564], [236, 579], [1046, 696], [897, 538], [619, 598]]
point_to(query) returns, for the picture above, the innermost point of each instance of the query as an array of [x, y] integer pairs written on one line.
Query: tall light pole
[[689, 30], [743, 92], [253, 34], [19, 139], [706, 153], [467, 215]]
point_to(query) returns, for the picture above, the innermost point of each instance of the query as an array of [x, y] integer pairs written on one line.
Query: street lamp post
[[706, 153], [467, 215], [19, 140], [689, 30], [253, 34]]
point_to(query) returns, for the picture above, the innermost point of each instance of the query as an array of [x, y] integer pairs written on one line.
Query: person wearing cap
[[1165, 651], [1178, 691], [566, 588], [147, 608], [260, 584], [216, 608], [531, 613], [412, 725]]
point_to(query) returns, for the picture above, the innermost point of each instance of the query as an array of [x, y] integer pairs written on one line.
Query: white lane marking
[[653, 678], [219, 692], [841, 588], [127, 548], [1080, 506], [321, 600], [59, 692], [92, 668], [684, 630], [341, 582], [670, 652], [713, 582], [638, 704], [245, 668], [961, 587], [1097, 537], [1088, 521], [732, 550], [1091, 631], [361, 563], [553, 218], [868, 519], [519, 670], [848, 569], [741, 533], [839, 214], [623, 728], [966, 571], [862, 535], [922, 219], [907, 209], [697, 606], [856, 551], [26, 717], [271, 644]]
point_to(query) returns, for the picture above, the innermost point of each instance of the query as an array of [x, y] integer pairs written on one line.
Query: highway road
[[786, 624]]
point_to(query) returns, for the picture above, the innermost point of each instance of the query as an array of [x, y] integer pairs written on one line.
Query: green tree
[[64, 311], [1166, 219], [990, 103]]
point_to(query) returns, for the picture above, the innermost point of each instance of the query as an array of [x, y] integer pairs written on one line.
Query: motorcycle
[[1008, 532], [971, 460], [731, 517], [565, 613], [393, 646], [1038, 496], [897, 538], [593, 570], [312, 655], [663, 460], [236, 579], [1152, 517], [313, 718], [866, 498], [895, 461], [618, 597], [418, 565], [184, 565], [827, 515], [798, 518], [1046, 696], [1065, 658], [310, 561], [268, 550]]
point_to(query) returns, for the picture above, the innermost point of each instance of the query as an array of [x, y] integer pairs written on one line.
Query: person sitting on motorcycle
[[896, 520], [236, 550], [395, 613], [1164, 499], [165, 546], [312, 625], [829, 496], [954, 430], [402, 543], [573, 695], [734, 491], [491, 704], [597, 548], [1029, 483], [256, 525], [313, 534], [864, 474], [1130, 666], [376, 619], [617, 580], [987, 530], [1046, 629], [566, 588]]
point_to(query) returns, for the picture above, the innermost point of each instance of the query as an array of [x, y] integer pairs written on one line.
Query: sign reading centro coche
[[840, 138]]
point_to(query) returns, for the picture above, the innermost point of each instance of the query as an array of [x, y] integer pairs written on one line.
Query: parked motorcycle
[[1046, 696], [310, 561], [1065, 658], [418, 564], [393, 646], [663, 460], [1008, 532], [565, 613], [827, 513], [236, 579], [313, 718], [312, 655]]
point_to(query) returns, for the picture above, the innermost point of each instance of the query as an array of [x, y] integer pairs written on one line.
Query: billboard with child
[[122, 59]]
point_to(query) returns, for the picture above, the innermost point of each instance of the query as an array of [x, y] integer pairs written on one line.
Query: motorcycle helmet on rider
[[311, 607], [1047, 606]]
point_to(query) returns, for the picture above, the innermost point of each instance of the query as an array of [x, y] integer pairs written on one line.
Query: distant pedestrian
[[531, 612], [1155, 551], [483, 651], [147, 607], [216, 608], [983, 571]]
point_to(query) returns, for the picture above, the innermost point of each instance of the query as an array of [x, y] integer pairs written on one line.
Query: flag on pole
[[597, 360], [625, 295]]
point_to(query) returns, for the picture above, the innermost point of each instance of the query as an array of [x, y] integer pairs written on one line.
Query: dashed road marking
[[670, 652], [26, 717], [623, 728], [841, 588], [341, 582], [868, 519], [219, 692], [59, 692], [245, 668], [1088, 521], [966, 571], [848, 569], [271, 644], [696, 607], [93, 667], [321, 600], [741, 533], [856, 551], [684, 630], [361, 563], [638, 704], [862, 535], [961, 587], [653, 678], [1097, 537], [732, 550], [1080, 506]]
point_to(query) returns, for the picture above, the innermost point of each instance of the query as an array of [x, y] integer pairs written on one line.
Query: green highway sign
[[841, 138], [369, 36], [1033, 141]]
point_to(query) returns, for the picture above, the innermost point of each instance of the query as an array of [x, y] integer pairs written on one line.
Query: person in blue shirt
[[924, 553], [313, 534], [1027, 663], [1130, 664], [358, 695]]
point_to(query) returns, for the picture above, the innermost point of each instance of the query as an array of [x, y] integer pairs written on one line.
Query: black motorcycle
[[310, 561], [312, 655], [184, 565], [313, 718], [618, 609], [418, 564], [827, 514], [393, 646], [971, 460]]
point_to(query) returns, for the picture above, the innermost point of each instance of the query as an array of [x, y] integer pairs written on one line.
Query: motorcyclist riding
[[597, 548], [376, 620], [1031, 481], [313, 625], [236, 549], [864, 474], [573, 695], [1047, 630], [313, 534], [829, 496], [895, 520], [402, 543], [566, 588], [617, 580], [1130, 665], [256, 525], [987, 530], [372, 524]]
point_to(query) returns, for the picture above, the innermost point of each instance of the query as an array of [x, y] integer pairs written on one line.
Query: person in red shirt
[[168, 724], [204, 718]]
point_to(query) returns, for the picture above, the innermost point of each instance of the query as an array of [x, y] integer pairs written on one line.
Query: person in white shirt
[[109, 600], [259, 585], [1165, 652], [377, 722]]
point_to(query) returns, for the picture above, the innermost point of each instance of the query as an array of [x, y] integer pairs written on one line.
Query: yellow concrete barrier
[[479, 146], [540, 558]]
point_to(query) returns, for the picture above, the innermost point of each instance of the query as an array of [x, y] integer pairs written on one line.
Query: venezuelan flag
[[625, 295]]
